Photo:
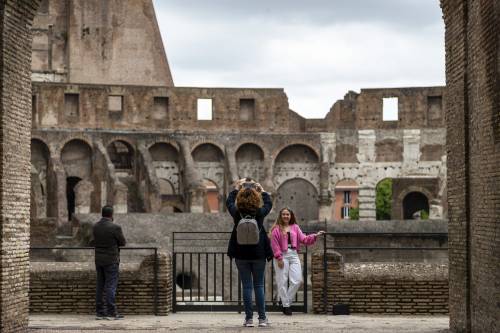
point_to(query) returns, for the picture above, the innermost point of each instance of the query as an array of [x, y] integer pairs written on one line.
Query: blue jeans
[[252, 277], [107, 281]]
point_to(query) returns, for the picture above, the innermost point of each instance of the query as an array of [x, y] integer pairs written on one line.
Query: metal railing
[[155, 263], [200, 253]]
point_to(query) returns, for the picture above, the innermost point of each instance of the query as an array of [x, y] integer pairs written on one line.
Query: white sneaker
[[263, 322], [248, 323]]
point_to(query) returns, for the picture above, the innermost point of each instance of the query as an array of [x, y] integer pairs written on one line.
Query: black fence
[[206, 279], [155, 262]]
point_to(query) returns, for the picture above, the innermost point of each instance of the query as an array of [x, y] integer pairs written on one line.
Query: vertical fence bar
[[272, 282], [206, 277], [183, 275], [199, 276], [174, 283], [231, 280], [239, 292], [305, 281], [191, 277], [223, 277], [325, 274], [215, 275], [155, 282]]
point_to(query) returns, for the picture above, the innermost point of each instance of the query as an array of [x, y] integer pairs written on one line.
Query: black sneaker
[[287, 311], [101, 317], [116, 317]]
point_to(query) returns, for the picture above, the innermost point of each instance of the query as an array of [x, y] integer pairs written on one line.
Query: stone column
[[366, 144], [232, 166], [366, 200], [15, 130], [411, 150], [325, 201], [195, 189]]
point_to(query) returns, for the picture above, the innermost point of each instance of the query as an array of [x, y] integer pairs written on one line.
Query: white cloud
[[316, 64]]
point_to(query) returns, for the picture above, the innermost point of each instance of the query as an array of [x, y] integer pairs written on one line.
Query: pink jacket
[[279, 242]]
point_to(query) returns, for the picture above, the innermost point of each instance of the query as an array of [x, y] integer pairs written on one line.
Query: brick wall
[[15, 114], [400, 288], [70, 287], [471, 106]]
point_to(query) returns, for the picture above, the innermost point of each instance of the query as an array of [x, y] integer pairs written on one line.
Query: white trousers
[[292, 271]]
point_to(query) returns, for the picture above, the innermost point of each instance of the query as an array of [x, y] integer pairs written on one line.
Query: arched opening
[[207, 152], [299, 195], [70, 194], [76, 157], [162, 151], [297, 153], [346, 200], [415, 206], [212, 196], [40, 156], [250, 161], [184, 280], [121, 155], [167, 169], [383, 199]]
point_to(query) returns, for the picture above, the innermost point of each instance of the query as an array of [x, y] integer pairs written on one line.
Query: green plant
[[383, 199], [354, 213], [424, 215]]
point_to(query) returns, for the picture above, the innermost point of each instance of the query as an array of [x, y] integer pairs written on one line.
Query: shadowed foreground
[[231, 322]]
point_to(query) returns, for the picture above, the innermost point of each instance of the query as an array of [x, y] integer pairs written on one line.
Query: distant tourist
[[286, 238], [249, 244], [108, 237]]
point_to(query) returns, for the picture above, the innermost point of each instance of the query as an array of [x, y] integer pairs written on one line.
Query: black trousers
[[107, 283]]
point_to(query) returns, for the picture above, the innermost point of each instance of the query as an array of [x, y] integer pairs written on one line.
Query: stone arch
[[250, 161], [414, 202], [121, 154], [207, 152], [40, 157], [296, 161], [299, 195], [346, 198], [163, 151], [389, 150], [76, 157]]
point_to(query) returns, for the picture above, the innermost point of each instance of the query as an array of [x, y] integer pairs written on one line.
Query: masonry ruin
[[85, 149]]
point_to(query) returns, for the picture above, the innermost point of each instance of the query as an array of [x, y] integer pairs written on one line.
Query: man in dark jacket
[[108, 237]]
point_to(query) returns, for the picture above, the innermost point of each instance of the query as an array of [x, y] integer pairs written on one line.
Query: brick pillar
[[15, 129], [322, 297], [195, 189]]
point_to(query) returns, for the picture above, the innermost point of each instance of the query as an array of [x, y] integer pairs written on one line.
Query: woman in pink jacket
[[286, 238]]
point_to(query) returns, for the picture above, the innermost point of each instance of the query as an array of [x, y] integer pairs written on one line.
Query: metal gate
[[206, 279]]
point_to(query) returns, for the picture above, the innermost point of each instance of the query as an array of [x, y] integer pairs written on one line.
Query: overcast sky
[[317, 50]]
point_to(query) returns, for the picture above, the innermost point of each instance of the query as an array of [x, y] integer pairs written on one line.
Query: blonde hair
[[279, 221]]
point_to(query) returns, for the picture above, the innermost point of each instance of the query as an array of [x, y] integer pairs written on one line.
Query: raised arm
[[268, 204], [231, 203], [306, 240]]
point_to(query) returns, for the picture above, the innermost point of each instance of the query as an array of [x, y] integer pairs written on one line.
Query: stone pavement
[[231, 322]]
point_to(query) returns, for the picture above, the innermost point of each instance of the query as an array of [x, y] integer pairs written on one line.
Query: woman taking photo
[[286, 238], [249, 244]]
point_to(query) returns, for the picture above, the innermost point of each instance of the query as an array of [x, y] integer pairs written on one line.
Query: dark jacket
[[249, 252], [108, 237]]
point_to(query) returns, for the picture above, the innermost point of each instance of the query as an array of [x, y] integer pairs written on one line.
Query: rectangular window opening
[[204, 109], [71, 106], [247, 109], [160, 108], [390, 109], [115, 103]]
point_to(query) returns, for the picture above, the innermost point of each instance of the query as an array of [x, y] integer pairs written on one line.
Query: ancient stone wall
[[69, 288], [408, 289], [90, 41], [472, 103], [15, 107]]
